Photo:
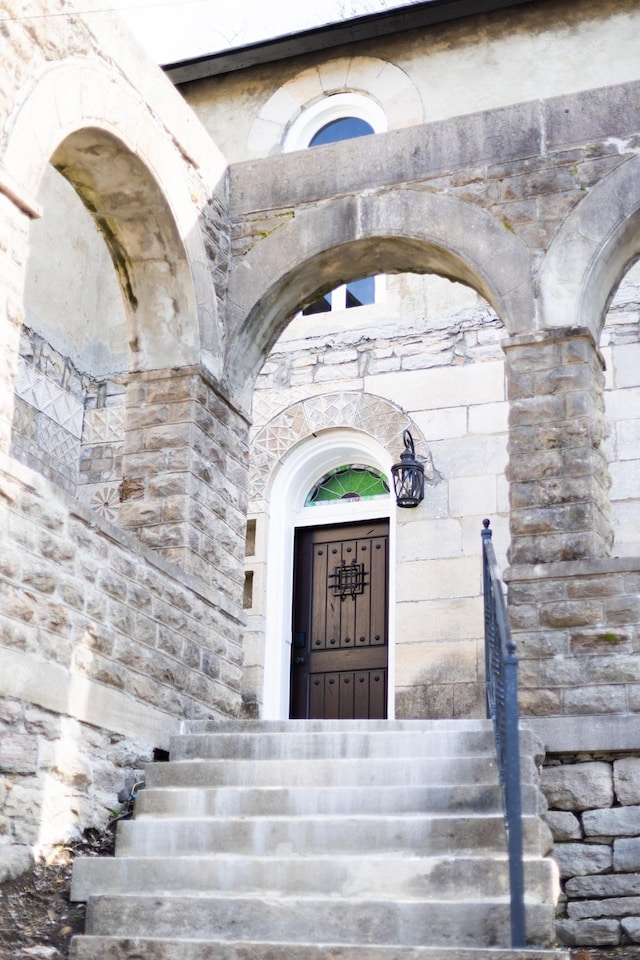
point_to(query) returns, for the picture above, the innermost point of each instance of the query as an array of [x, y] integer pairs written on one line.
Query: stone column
[[558, 472], [185, 470]]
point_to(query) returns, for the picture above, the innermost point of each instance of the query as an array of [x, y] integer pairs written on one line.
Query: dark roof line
[[427, 13]]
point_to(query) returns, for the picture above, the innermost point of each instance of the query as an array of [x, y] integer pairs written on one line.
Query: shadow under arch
[[93, 128], [591, 252], [394, 231]]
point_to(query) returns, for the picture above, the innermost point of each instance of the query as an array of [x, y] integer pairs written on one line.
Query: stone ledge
[[592, 734], [566, 569], [53, 687]]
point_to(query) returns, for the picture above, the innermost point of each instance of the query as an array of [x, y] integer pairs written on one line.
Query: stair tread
[[193, 949]]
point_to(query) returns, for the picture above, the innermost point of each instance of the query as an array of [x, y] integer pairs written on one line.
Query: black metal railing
[[501, 666]]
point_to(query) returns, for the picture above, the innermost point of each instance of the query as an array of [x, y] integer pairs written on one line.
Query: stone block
[[616, 822], [541, 644], [582, 859], [622, 610], [595, 699], [588, 933], [598, 642], [631, 928], [472, 494], [603, 887], [563, 672], [540, 703], [614, 670], [18, 753], [626, 855], [571, 613], [564, 826], [578, 786], [626, 780], [439, 579], [594, 909]]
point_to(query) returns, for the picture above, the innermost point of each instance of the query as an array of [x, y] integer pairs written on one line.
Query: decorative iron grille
[[348, 580]]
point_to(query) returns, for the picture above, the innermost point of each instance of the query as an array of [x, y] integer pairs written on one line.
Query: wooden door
[[340, 614]]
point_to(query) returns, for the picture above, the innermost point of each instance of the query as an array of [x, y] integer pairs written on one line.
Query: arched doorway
[[293, 524]]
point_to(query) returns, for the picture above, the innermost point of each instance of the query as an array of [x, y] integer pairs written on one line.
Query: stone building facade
[[167, 403]]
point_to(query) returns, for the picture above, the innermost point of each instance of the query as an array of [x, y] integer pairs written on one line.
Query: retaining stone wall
[[59, 777], [594, 815], [113, 643]]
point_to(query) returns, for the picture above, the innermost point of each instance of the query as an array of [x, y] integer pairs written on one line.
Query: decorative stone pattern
[[600, 902], [372, 415], [381, 80], [69, 426]]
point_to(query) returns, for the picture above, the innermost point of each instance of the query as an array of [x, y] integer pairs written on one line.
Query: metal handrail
[[501, 665]]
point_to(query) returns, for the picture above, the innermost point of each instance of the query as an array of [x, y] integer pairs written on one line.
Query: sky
[[173, 30]]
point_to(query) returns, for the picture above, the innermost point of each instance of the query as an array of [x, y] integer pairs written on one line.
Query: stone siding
[[594, 816], [96, 630], [577, 630]]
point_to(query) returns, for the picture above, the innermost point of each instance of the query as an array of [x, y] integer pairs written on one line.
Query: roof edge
[[326, 37]]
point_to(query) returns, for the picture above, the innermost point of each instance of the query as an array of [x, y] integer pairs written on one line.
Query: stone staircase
[[305, 839]]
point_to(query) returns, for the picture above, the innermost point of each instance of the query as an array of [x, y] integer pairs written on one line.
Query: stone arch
[[591, 251], [384, 82], [396, 231], [369, 414], [86, 121]]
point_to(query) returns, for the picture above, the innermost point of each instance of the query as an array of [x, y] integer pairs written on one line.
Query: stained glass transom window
[[350, 482]]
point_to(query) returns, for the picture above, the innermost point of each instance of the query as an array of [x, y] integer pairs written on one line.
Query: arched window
[[346, 128], [349, 482], [341, 116]]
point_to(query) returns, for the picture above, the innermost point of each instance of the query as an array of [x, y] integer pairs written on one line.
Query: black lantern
[[408, 475]]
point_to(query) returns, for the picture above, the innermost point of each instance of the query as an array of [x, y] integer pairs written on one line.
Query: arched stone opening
[[591, 252], [560, 500], [620, 347], [396, 231], [447, 391], [150, 213]]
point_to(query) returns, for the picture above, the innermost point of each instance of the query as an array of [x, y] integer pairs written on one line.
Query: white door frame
[[302, 466]]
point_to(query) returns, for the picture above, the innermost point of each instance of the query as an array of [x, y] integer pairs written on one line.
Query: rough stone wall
[[59, 777], [577, 629], [105, 647], [594, 816], [80, 594], [185, 475]]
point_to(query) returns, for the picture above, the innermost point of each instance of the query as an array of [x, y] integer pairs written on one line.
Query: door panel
[[340, 615]]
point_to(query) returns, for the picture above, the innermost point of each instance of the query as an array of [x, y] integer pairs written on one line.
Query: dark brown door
[[340, 613]]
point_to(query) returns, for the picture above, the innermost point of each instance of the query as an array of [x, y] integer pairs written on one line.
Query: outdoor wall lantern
[[408, 475]]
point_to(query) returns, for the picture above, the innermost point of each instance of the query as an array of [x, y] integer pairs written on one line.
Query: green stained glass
[[350, 482]]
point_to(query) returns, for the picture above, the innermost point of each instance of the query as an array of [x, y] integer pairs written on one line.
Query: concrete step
[[332, 726], [403, 877], [142, 948], [283, 919], [297, 801], [325, 835], [339, 745], [382, 772]]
